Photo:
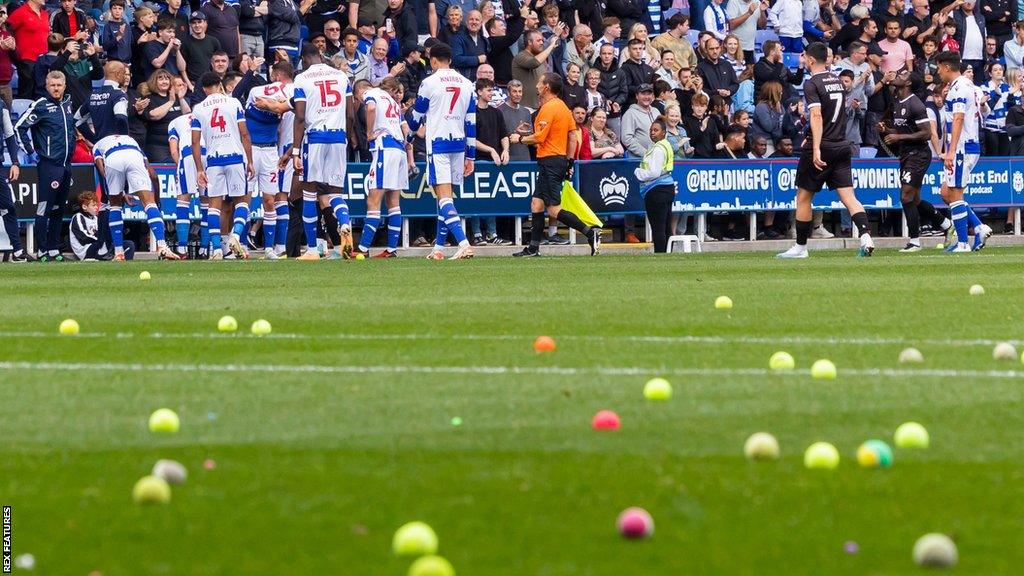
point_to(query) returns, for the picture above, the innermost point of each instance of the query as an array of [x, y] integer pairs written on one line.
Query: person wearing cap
[[415, 69], [636, 122], [657, 187], [197, 48], [367, 34]]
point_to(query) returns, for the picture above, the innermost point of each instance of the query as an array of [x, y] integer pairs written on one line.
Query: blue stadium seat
[[692, 36], [791, 60], [762, 36]]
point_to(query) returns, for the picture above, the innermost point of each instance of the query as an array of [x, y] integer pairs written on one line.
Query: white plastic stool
[[687, 240]]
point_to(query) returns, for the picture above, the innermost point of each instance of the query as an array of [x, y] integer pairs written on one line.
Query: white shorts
[[126, 168], [324, 163], [389, 170], [227, 181], [265, 161], [187, 182], [960, 176], [446, 168]]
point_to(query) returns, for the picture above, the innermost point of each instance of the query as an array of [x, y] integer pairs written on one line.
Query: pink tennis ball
[[635, 523], [605, 420]]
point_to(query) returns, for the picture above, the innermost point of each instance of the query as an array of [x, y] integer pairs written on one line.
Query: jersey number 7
[[217, 121], [329, 93], [455, 91]]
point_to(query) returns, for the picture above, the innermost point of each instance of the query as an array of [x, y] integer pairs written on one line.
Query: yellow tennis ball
[[144, 275], [360, 257], [151, 490], [69, 327], [431, 566], [227, 324], [823, 370], [723, 303], [781, 362], [414, 539], [657, 389], [911, 435], [261, 327], [940, 246], [821, 456], [977, 290], [164, 420]]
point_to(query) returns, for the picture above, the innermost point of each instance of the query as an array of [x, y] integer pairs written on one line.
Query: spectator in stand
[[528, 65], [359, 146], [592, 14], [926, 67], [948, 42], [674, 39], [332, 35], [650, 55], [514, 115], [992, 54], [898, 55], [165, 52], [379, 61], [592, 97], [573, 93], [604, 143], [492, 145], [863, 84], [579, 52], [367, 34], [284, 24], [355, 64], [197, 48], [636, 73], [999, 17], [759, 151], [629, 12], [143, 32], [222, 24], [175, 12], [689, 85], [970, 36], [854, 112], [80, 68], [783, 148], [718, 75], [319, 39], [770, 68], [851, 31], [452, 27], [743, 100], [715, 20], [366, 11], [404, 28], [788, 18], [69, 21], [614, 85], [918, 24], [1013, 50], [164, 106], [554, 27], [469, 48], [414, 70], [44, 62], [7, 55], [636, 122], [612, 32], [732, 147], [675, 133], [998, 95], [732, 54], [745, 18], [30, 26], [701, 128], [502, 36], [879, 100], [251, 25], [1015, 126]]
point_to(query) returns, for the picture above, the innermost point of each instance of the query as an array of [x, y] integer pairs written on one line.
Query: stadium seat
[[762, 36], [18, 107], [791, 60], [692, 36], [868, 152], [688, 241]]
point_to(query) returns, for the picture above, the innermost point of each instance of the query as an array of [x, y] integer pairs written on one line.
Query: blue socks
[[310, 218], [181, 222], [960, 213], [116, 225], [241, 219], [340, 210], [442, 234], [394, 227], [156, 222], [213, 222], [369, 229], [446, 210], [281, 236], [204, 228]]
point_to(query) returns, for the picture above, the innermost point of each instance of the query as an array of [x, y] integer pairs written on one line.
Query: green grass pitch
[[337, 429]]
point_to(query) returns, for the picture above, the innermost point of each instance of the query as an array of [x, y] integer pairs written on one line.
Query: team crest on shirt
[[54, 184]]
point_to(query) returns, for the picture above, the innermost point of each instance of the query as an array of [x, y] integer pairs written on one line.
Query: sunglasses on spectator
[[332, 29]]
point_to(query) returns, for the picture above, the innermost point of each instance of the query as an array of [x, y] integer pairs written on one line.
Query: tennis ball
[[635, 523], [69, 327], [144, 275], [940, 246], [657, 389], [164, 420], [431, 566], [227, 324], [977, 290], [172, 471], [911, 356], [821, 456], [761, 446], [360, 257], [605, 420], [414, 539], [935, 551], [151, 490], [874, 454], [261, 327], [723, 303], [1004, 351], [544, 344], [911, 435], [25, 562], [781, 362], [823, 370]]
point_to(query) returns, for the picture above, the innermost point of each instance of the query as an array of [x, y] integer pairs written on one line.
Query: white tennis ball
[[935, 551], [977, 290], [911, 356], [172, 471], [1004, 351], [761, 446]]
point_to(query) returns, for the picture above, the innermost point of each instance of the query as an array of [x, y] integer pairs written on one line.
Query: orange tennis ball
[[544, 344]]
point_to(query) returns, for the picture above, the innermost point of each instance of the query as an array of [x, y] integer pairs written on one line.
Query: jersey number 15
[[329, 93]]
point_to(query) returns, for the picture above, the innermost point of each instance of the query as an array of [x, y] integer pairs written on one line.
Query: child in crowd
[[85, 240]]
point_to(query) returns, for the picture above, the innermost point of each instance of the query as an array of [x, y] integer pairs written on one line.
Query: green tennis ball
[[151, 490], [821, 456], [781, 362], [723, 303], [911, 435], [657, 389], [874, 454], [164, 420], [227, 324], [414, 539], [823, 370], [431, 566]]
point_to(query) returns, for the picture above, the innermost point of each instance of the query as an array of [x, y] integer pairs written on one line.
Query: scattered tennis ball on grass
[[605, 420], [823, 370], [151, 490], [657, 389], [723, 303], [761, 446], [360, 257], [227, 324], [261, 327], [69, 327], [25, 562], [911, 435], [977, 290], [781, 362], [911, 356], [172, 471], [544, 344], [1004, 351], [431, 566], [821, 456], [940, 246], [634, 523], [414, 539], [164, 420], [874, 454], [935, 551], [144, 275]]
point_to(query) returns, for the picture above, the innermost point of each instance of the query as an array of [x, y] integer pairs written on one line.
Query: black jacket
[[613, 87], [499, 53], [406, 28], [413, 75], [765, 71], [718, 76], [1015, 130], [591, 13], [48, 127], [628, 12], [999, 9], [283, 23], [249, 23], [637, 73], [703, 140], [59, 22]]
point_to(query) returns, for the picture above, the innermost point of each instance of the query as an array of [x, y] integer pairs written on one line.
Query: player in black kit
[[825, 158], [910, 128]]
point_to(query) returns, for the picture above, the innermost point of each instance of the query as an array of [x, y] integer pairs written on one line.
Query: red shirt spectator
[[30, 24]]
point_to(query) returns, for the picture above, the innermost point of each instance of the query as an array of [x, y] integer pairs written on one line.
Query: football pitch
[[401, 390]]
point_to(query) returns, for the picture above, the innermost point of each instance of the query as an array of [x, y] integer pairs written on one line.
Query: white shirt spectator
[[787, 18], [974, 43], [715, 20], [745, 31]]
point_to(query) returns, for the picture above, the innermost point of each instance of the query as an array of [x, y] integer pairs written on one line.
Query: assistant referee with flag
[[554, 134]]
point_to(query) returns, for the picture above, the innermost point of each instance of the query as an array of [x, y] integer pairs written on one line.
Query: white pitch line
[[683, 339], [493, 370]]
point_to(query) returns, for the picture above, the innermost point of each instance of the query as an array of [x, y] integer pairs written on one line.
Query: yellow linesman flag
[[572, 202]]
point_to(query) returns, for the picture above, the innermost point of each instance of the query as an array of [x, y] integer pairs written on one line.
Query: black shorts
[[551, 173], [913, 164], [838, 172]]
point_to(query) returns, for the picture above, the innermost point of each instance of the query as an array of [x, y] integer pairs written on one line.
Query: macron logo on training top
[[447, 104], [324, 90]]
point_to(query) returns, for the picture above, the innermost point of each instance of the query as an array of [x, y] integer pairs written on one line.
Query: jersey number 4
[[217, 121], [329, 93]]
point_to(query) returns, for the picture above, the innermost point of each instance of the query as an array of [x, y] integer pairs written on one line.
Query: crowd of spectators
[[724, 74]]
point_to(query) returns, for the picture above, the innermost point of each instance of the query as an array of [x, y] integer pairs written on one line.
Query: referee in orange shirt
[[554, 134]]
